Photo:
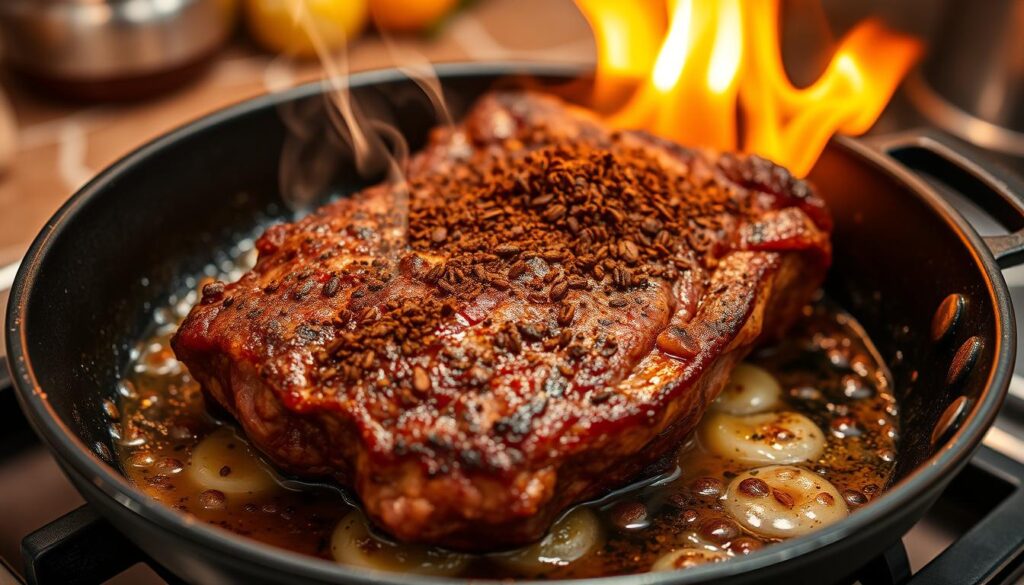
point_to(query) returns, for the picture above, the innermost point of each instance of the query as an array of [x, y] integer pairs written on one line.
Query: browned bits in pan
[[744, 545], [709, 487], [854, 498], [754, 487], [719, 530], [212, 500], [629, 515], [783, 498]]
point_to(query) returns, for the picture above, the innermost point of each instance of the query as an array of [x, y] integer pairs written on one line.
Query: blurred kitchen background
[[86, 81]]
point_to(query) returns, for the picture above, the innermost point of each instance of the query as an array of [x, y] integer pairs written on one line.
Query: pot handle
[[81, 547], [968, 171]]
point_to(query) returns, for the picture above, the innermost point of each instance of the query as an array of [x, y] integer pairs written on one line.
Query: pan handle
[[81, 547], [967, 170]]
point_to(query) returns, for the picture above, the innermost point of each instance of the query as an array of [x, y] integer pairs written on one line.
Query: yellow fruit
[[284, 26], [409, 15]]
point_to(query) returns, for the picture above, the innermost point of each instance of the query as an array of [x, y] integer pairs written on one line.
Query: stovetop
[[954, 543]]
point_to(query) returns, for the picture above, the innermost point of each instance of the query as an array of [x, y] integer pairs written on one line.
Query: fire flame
[[710, 73]]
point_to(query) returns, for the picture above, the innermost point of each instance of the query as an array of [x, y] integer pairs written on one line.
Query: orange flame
[[694, 69]]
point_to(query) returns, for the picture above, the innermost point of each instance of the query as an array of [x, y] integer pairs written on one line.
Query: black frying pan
[[128, 239]]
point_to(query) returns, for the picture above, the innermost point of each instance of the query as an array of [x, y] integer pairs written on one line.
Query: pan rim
[[78, 458]]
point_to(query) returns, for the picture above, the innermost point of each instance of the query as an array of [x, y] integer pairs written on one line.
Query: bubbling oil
[[804, 434]]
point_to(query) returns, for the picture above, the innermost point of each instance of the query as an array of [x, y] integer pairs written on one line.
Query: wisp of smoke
[[315, 152]]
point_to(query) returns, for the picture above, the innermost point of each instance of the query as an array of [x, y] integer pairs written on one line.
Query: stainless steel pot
[[93, 48], [972, 83]]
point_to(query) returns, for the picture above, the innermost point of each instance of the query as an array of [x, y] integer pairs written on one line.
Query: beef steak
[[541, 310]]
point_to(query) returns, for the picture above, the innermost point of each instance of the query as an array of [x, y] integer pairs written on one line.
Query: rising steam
[[314, 152]]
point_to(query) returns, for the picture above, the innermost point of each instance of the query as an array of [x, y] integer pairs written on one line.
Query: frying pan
[[926, 287]]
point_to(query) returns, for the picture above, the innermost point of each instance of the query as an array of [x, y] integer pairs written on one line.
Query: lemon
[[285, 26], [409, 15]]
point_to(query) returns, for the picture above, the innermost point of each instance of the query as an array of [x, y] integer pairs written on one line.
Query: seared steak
[[557, 314]]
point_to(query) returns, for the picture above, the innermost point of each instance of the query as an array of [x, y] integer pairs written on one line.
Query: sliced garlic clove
[[223, 462], [353, 544], [569, 540], [782, 501], [688, 557], [750, 390], [773, 437]]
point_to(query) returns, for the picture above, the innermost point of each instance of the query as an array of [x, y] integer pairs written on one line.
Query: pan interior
[[895, 261]]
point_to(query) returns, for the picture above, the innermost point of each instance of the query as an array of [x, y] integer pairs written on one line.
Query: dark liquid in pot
[[827, 370]]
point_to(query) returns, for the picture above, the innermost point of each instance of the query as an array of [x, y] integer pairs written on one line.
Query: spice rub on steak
[[564, 304]]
